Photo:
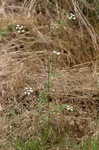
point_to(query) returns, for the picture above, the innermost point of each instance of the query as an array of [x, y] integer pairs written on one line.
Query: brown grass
[[27, 60]]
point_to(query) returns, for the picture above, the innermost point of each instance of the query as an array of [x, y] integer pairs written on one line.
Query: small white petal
[[17, 25], [31, 91], [22, 26], [28, 93], [58, 53], [25, 93], [74, 18], [25, 88], [72, 14], [17, 28], [23, 31], [67, 106], [70, 17], [18, 31], [1, 108], [54, 52]]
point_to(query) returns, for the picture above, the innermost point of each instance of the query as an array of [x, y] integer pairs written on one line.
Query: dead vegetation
[[48, 75]]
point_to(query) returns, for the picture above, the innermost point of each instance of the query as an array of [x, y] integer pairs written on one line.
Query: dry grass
[[54, 57]]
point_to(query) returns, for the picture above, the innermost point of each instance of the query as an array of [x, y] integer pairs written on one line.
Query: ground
[[49, 92]]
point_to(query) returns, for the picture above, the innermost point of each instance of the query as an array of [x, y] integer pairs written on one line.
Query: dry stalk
[[90, 30], [29, 6]]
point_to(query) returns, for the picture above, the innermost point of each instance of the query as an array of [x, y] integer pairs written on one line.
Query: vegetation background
[[49, 74]]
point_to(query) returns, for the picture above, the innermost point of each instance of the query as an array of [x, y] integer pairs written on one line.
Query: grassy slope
[[61, 110]]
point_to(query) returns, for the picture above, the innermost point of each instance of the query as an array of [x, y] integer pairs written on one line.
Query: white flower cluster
[[57, 53], [54, 26], [20, 28], [28, 91], [71, 16], [70, 108]]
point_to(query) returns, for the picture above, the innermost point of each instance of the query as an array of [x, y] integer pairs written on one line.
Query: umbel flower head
[[56, 52], [20, 28], [28, 90], [71, 16]]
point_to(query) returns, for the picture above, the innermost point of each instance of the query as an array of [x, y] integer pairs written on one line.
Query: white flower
[[19, 31], [22, 31], [20, 26], [25, 88], [57, 53], [71, 16], [28, 91], [25, 92], [54, 26], [17, 25], [70, 108]]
